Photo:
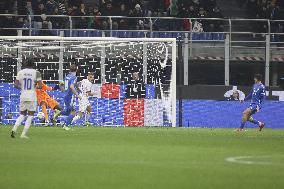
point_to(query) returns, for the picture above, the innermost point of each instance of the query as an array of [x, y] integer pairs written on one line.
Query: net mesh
[[131, 76]]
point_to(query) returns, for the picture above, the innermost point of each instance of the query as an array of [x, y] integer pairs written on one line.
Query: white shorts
[[83, 104], [28, 105]]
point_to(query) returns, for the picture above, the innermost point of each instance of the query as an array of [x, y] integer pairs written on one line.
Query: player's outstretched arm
[[39, 80], [248, 96]]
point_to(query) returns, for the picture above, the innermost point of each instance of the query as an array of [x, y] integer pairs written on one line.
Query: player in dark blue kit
[[257, 96], [69, 86]]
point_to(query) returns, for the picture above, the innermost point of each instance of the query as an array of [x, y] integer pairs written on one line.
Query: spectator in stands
[[215, 25], [45, 31], [8, 22], [62, 7], [108, 10], [76, 3], [29, 9], [122, 23], [51, 5], [202, 13], [82, 21], [40, 10], [57, 22], [96, 21], [136, 23]]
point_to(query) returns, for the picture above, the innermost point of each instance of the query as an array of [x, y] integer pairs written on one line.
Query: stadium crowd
[[131, 9], [266, 9]]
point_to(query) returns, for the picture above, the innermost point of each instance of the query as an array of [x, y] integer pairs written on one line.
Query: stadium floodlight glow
[[153, 58]]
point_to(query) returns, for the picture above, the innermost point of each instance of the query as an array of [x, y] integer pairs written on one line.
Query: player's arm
[[90, 92], [72, 87], [48, 88], [17, 83], [248, 96], [262, 95], [77, 86], [39, 80], [59, 86]]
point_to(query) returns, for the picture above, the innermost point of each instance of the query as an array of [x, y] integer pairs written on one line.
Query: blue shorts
[[253, 108]]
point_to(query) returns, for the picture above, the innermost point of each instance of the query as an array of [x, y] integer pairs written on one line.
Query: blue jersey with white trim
[[257, 94], [68, 81]]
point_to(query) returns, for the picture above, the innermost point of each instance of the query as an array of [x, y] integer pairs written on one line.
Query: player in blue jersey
[[70, 88], [257, 96]]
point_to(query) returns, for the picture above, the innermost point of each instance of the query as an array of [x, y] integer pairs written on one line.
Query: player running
[[85, 107], [26, 81], [44, 100], [257, 96], [69, 86]]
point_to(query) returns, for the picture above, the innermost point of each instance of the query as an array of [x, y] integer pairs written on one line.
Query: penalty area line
[[247, 160]]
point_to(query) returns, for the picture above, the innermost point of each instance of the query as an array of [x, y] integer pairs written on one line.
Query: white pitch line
[[244, 160]]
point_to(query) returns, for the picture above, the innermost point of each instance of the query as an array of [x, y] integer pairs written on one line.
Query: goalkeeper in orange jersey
[[44, 100]]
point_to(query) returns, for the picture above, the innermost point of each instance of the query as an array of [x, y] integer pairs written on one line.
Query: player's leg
[[20, 119], [69, 120], [82, 109], [43, 105], [88, 114], [246, 115], [31, 108], [54, 105], [57, 112], [256, 122], [255, 108], [68, 111], [77, 117]]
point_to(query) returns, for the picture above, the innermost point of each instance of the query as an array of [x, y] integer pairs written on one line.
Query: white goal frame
[[108, 39]]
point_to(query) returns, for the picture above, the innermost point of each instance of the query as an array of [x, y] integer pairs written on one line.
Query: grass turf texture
[[140, 158]]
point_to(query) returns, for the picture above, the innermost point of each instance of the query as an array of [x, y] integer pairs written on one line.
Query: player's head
[[236, 95], [257, 78], [91, 76], [29, 63], [135, 75], [73, 68]]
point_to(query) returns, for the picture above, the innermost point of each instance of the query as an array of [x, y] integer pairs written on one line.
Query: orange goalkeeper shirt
[[42, 93]]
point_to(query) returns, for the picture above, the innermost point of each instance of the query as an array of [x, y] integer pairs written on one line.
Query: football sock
[[69, 119], [43, 107], [56, 114], [27, 125], [87, 118], [75, 119], [254, 121], [242, 124], [18, 122]]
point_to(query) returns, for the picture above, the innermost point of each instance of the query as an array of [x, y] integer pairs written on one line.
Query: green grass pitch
[[134, 158]]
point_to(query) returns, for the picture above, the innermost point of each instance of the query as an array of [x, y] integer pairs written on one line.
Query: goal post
[[115, 61]]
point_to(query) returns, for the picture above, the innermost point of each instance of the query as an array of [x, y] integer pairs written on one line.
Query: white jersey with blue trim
[[85, 86], [28, 79]]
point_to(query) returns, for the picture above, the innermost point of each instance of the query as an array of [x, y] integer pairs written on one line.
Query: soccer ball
[[40, 115]]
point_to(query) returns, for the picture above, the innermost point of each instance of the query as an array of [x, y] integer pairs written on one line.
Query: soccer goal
[[135, 78]]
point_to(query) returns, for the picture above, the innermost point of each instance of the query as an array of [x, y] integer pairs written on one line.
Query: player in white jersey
[[85, 107], [26, 81]]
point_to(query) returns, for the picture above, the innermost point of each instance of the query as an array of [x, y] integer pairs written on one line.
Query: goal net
[[135, 78]]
